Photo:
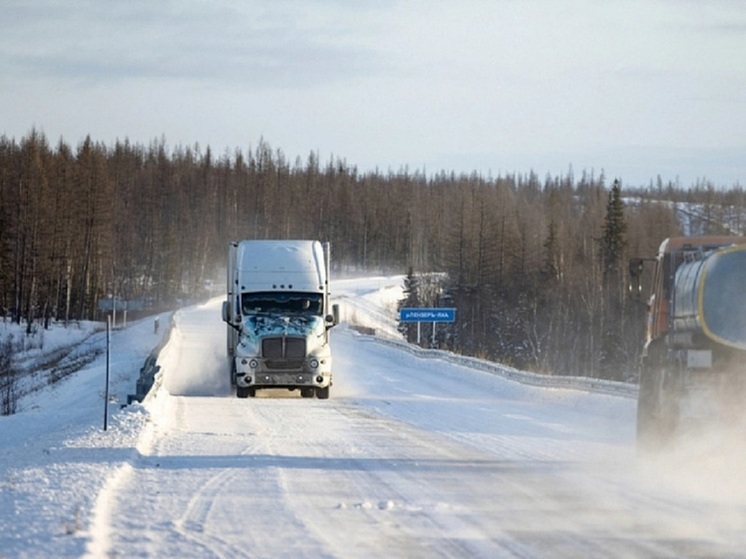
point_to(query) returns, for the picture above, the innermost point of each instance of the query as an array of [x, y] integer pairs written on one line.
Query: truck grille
[[284, 364], [284, 348]]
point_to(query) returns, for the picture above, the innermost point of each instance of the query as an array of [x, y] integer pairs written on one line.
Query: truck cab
[[279, 315]]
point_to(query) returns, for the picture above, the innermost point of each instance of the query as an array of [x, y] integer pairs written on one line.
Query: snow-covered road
[[412, 456]]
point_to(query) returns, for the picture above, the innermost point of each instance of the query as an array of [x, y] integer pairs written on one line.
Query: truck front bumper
[[258, 373]]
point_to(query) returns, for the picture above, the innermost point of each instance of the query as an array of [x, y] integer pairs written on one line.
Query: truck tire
[[648, 436], [657, 407], [306, 392], [245, 391], [322, 393], [670, 396]]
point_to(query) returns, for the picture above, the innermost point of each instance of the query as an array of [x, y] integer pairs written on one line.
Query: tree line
[[535, 267]]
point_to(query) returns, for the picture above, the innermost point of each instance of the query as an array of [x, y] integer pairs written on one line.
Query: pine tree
[[613, 241], [613, 246], [411, 300]]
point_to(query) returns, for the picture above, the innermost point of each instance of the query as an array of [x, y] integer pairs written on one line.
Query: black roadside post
[[108, 359]]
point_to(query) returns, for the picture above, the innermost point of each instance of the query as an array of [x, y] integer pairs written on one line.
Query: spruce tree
[[612, 246], [613, 241], [411, 299]]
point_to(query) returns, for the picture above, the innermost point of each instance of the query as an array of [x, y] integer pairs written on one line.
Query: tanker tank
[[710, 296]]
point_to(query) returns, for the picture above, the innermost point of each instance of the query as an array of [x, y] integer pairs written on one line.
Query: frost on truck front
[[277, 312], [283, 343]]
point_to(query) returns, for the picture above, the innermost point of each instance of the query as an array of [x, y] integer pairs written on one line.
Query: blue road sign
[[427, 315]]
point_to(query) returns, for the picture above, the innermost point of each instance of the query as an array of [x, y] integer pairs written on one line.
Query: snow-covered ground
[[412, 456]]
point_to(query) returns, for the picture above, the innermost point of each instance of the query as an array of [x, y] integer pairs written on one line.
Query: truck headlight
[[253, 364], [314, 363]]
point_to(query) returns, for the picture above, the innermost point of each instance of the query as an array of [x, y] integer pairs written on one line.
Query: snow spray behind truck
[[693, 367], [278, 316]]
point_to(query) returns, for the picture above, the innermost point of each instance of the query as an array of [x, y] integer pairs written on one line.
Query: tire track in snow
[[409, 487]]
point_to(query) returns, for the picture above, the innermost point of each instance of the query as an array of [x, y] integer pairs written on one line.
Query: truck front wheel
[[648, 436], [245, 391], [322, 393], [657, 407]]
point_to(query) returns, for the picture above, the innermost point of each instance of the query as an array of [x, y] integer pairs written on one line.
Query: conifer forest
[[536, 267]]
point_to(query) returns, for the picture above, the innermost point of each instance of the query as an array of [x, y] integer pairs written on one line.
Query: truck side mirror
[[226, 311], [636, 266], [332, 319]]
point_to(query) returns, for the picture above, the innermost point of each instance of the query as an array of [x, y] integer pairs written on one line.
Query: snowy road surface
[[410, 457]]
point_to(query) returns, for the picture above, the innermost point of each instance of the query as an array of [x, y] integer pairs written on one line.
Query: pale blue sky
[[633, 88]]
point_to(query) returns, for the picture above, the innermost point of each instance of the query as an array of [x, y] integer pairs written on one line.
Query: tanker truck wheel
[[657, 408], [647, 421], [322, 393]]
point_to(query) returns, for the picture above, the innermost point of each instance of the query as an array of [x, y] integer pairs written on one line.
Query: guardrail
[[150, 368], [587, 384]]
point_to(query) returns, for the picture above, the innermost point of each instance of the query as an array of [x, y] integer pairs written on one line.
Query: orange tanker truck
[[693, 366]]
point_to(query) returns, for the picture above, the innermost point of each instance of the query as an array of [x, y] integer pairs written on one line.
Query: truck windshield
[[272, 302]]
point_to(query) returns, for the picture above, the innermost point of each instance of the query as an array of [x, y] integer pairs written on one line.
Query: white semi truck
[[279, 314]]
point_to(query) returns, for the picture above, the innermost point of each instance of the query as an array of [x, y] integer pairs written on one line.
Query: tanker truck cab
[[279, 316]]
